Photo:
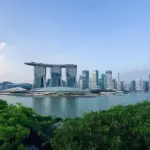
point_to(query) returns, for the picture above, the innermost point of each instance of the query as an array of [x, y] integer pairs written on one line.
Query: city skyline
[[114, 76], [99, 35], [101, 82]]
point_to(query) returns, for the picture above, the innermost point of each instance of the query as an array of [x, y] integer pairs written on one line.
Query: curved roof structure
[[17, 89], [58, 89]]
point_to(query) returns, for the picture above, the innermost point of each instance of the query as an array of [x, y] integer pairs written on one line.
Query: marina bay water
[[74, 106]]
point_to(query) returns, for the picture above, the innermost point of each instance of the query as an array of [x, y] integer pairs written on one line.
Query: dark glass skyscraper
[[55, 79], [85, 79], [71, 73], [103, 81], [114, 84], [133, 86], [145, 86], [122, 85]]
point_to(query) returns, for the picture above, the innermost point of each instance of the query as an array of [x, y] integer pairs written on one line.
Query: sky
[[94, 34]]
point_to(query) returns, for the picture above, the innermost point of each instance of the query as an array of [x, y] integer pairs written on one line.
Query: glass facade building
[[133, 86], [145, 86], [39, 77], [114, 84], [103, 81], [55, 74], [139, 86], [55, 79], [85, 79], [71, 74], [122, 85], [109, 80], [94, 79]]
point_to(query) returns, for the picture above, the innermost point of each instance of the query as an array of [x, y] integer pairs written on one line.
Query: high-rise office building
[[118, 82], [39, 76], [94, 79], [133, 86], [55, 76], [71, 74], [145, 86], [139, 86], [103, 80], [100, 83], [122, 85], [84, 79], [109, 80], [126, 87], [114, 84]]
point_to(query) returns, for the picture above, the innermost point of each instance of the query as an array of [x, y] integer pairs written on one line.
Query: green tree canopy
[[119, 128], [17, 123]]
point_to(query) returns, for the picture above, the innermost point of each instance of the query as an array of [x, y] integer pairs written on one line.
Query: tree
[[121, 127], [21, 126]]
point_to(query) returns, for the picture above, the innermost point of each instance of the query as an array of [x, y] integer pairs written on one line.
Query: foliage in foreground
[[21, 126], [119, 128]]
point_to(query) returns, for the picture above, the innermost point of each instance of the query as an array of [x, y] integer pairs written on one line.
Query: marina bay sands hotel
[[55, 73]]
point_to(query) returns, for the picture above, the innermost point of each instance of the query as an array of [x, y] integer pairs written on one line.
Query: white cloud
[[2, 45]]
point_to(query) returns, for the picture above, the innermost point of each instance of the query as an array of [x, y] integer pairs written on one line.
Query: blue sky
[[94, 34]]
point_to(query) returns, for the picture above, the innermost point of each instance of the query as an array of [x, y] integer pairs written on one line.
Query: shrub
[[21, 127], [119, 128]]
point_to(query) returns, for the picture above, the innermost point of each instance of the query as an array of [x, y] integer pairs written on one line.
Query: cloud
[[2, 45]]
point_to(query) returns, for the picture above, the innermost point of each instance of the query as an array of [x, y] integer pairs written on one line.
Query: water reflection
[[70, 108], [102, 103], [39, 105], [55, 106]]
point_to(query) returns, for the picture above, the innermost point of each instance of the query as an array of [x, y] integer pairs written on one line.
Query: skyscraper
[[95, 79], [114, 84], [109, 79], [103, 80], [100, 83], [71, 74], [122, 85], [145, 86], [84, 79], [56, 76], [139, 86], [133, 86], [39, 76], [118, 82]]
